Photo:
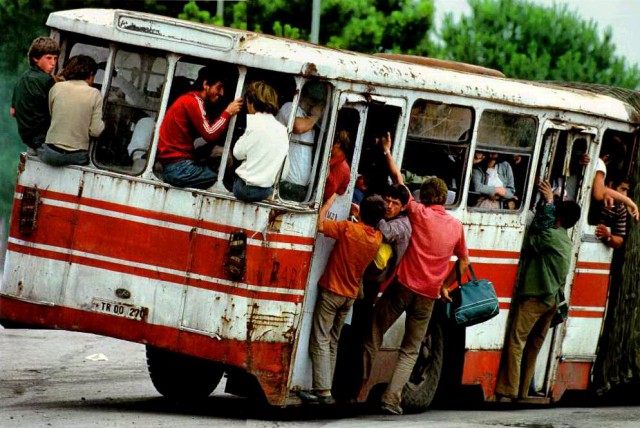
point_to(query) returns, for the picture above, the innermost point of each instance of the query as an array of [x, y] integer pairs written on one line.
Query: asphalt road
[[47, 380]]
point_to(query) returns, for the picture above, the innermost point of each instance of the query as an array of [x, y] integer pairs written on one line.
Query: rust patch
[[29, 211], [310, 69], [275, 267], [275, 220]]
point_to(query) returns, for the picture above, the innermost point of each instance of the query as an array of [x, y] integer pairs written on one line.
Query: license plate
[[120, 309]]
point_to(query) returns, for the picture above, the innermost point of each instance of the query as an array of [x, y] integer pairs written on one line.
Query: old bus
[[111, 249]]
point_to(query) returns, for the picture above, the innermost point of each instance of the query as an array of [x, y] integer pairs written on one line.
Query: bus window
[[502, 160], [615, 154], [131, 109], [283, 84], [437, 145], [373, 172], [306, 131]]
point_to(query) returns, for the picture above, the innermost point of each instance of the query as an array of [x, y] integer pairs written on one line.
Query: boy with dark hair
[[30, 95], [356, 245], [76, 114], [186, 120], [536, 300]]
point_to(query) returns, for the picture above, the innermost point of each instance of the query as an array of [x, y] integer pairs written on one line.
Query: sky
[[623, 16]]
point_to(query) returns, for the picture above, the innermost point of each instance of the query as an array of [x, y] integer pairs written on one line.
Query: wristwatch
[[386, 153]]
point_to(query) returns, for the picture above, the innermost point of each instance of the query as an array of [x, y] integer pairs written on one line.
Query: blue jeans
[[248, 193], [187, 173], [56, 156]]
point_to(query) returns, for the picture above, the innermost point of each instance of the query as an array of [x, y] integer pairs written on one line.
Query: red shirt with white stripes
[[183, 122]]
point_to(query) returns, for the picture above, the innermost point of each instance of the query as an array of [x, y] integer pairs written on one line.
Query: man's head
[[568, 213], [43, 53], [262, 97], [620, 185], [80, 67], [372, 210], [433, 191], [613, 151], [210, 83], [396, 196]]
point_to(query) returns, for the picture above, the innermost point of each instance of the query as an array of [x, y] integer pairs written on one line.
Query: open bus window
[[616, 155], [373, 171], [501, 161], [285, 87], [307, 130], [437, 145], [131, 110]]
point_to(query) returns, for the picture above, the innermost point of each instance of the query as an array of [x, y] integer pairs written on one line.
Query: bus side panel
[[141, 262]]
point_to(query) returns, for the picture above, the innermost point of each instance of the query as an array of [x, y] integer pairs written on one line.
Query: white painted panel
[[581, 336]]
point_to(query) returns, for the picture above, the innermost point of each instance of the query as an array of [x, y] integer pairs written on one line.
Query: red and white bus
[[111, 249]]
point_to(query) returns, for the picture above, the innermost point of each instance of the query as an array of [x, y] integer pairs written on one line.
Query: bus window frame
[[511, 150]]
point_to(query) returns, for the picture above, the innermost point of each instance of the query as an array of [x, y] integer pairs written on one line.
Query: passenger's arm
[[198, 117], [478, 186], [545, 217], [323, 213], [305, 124], [509, 182], [608, 239], [463, 263], [632, 208], [394, 171], [599, 188]]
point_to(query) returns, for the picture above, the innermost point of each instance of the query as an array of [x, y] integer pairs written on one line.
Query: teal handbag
[[474, 301]]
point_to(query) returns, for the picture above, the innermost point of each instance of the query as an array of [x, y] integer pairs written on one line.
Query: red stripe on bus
[[494, 254], [232, 289], [164, 247], [268, 361], [594, 265], [585, 314], [589, 289], [160, 216]]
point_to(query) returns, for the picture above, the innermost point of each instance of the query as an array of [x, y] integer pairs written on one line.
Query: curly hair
[[263, 97], [433, 191]]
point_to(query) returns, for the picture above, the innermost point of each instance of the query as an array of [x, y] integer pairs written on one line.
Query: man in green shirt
[[30, 102], [546, 255]]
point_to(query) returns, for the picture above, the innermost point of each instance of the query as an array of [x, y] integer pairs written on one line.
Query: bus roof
[[265, 51]]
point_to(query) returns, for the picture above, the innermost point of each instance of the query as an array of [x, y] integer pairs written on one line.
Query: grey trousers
[[328, 319], [58, 157], [397, 299]]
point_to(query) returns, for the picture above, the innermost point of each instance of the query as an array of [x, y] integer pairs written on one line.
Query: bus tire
[[182, 377], [420, 390]]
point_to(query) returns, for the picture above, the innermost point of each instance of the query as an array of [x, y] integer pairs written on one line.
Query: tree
[[533, 42], [399, 26]]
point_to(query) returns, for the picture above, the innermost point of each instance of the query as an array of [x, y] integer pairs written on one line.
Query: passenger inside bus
[[339, 170], [263, 147], [294, 186], [76, 114], [492, 178], [186, 120]]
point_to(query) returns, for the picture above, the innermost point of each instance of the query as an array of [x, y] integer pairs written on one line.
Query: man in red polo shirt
[[423, 276], [186, 120], [339, 171]]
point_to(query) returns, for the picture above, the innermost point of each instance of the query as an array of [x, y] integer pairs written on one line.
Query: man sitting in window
[[187, 120]]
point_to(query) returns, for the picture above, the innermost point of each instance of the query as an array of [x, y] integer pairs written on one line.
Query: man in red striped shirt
[[186, 120]]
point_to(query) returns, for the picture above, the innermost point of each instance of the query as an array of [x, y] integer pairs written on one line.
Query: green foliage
[[192, 12], [529, 41]]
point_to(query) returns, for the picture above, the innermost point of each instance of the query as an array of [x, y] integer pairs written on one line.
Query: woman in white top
[[262, 148]]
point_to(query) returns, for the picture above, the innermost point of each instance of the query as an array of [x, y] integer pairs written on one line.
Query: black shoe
[[390, 409], [312, 397]]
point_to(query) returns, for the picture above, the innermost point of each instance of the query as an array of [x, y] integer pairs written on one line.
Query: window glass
[[99, 53], [131, 110], [437, 145], [306, 133], [501, 161]]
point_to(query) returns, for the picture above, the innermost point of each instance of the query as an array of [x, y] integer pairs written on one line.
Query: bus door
[[364, 117], [563, 163]]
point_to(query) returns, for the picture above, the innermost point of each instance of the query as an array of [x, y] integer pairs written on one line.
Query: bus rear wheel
[[182, 377], [419, 392]]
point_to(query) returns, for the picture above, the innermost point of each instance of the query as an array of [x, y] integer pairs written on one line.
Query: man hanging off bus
[[29, 104], [76, 114], [548, 253], [423, 276], [184, 122]]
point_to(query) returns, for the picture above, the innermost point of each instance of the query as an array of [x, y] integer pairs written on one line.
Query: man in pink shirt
[[423, 276]]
